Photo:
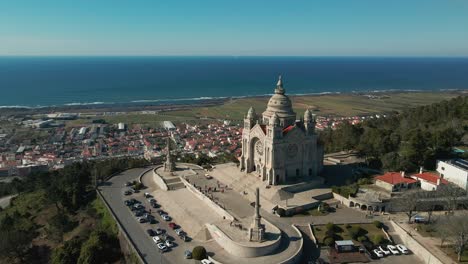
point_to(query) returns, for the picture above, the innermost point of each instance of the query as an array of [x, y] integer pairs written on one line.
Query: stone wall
[[159, 180], [223, 213], [296, 258], [413, 245], [343, 200], [242, 250]]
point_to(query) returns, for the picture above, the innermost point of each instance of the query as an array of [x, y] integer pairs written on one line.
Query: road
[[112, 191]]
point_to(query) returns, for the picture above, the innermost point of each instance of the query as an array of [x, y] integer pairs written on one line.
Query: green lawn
[[370, 229]]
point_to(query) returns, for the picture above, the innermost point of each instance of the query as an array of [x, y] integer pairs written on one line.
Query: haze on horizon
[[237, 28]]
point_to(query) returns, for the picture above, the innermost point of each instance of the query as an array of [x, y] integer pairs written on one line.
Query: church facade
[[276, 146]]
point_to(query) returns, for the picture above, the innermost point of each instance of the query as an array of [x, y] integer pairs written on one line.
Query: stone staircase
[[174, 183]]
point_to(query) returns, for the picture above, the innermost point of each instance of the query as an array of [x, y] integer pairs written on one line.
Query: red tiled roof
[[394, 178], [429, 177], [287, 129]]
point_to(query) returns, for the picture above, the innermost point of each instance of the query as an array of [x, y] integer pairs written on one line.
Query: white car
[[169, 243], [157, 239], [141, 220], [179, 231], [166, 217], [162, 247], [386, 252], [393, 249], [402, 249], [206, 261], [378, 253]]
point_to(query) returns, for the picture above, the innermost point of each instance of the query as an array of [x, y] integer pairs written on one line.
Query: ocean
[[59, 81]]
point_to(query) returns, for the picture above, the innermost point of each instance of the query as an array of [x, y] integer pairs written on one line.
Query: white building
[[121, 126], [277, 147], [455, 171]]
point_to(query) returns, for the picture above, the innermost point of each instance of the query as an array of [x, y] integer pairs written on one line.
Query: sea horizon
[[109, 80]]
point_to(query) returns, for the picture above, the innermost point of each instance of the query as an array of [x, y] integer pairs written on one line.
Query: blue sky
[[224, 27]]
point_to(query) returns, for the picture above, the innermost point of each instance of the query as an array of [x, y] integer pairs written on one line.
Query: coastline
[[177, 104]]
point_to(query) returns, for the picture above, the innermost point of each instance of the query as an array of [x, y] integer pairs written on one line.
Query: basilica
[[277, 147]]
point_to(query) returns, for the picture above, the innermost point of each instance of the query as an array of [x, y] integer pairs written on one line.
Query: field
[[337, 104]]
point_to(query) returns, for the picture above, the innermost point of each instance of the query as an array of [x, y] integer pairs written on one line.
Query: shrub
[[356, 231], [138, 186], [378, 239], [330, 226], [362, 238], [329, 241], [378, 224], [199, 253], [348, 226], [330, 233]]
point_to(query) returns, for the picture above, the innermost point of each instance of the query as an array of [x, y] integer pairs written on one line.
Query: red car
[[173, 225]]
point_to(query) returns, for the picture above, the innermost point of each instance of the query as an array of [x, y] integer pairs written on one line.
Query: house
[[455, 171], [429, 181], [396, 181]]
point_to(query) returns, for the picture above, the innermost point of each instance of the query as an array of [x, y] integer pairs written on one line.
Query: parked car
[[135, 201], [159, 231], [151, 200], [173, 225], [157, 239], [386, 252], [420, 219], [138, 213], [184, 238], [148, 195], [161, 212], [155, 205], [188, 254], [127, 184], [209, 177], [141, 220], [206, 261], [378, 253], [179, 231], [150, 232], [128, 203], [393, 249], [169, 243], [402, 249], [127, 192], [166, 217], [162, 247]]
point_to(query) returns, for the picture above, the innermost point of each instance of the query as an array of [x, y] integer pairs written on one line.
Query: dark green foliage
[[14, 243], [347, 190], [199, 253], [330, 226], [101, 247], [329, 241], [362, 238], [356, 231], [68, 253], [378, 224], [416, 137]]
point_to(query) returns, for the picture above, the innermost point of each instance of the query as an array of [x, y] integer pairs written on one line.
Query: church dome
[[280, 104]]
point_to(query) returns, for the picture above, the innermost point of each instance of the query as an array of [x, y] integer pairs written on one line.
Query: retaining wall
[[241, 250], [296, 258], [122, 231], [417, 249], [223, 213], [159, 180]]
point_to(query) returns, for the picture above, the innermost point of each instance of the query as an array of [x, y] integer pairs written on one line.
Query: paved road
[[112, 191]]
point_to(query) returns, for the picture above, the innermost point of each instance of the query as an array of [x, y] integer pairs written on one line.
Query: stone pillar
[[257, 230], [169, 165]]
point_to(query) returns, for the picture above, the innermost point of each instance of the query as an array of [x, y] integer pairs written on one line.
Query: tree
[[451, 194], [68, 253], [407, 203], [14, 243], [455, 228], [199, 253]]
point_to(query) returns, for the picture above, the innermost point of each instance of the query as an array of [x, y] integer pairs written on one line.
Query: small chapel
[[276, 146]]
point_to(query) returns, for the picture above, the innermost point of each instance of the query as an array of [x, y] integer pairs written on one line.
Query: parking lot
[[113, 192]]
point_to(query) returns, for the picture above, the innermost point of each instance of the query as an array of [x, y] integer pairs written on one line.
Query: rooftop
[[395, 178], [430, 177]]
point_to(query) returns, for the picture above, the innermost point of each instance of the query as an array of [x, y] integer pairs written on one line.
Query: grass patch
[[106, 222], [342, 231]]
